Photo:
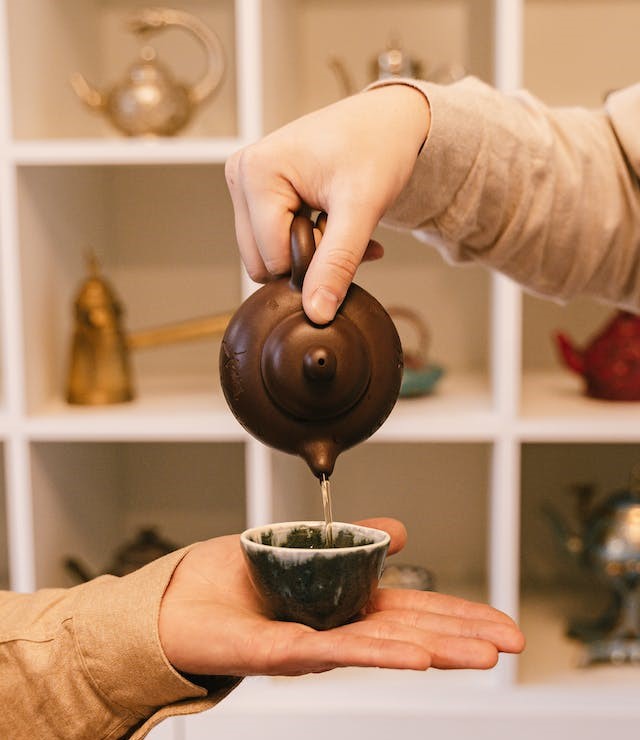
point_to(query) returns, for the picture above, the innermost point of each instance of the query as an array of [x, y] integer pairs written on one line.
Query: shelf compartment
[[555, 408], [575, 52], [549, 473], [554, 661], [580, 320], [553, 404], [555, 588], [94, 40], [459, 410], [424, 485], [171, 409], [454, 305], [300, 37], [165, 239], [90, 498]]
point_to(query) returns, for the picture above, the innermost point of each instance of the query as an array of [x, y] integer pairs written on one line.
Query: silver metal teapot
[[394, 61], [149, 101], [607, 543]]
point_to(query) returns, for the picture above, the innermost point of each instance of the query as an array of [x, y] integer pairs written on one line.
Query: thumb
[[395, 528], [335, 262]]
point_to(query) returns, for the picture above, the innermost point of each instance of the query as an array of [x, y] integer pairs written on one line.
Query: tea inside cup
[[300, 579]]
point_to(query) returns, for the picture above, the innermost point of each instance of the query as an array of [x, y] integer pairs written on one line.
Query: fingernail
[[324, 305]]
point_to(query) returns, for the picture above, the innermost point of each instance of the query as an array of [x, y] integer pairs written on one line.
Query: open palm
[[213, 622]]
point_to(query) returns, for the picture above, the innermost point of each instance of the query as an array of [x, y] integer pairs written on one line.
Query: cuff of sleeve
[[453, 142], [116, 627], [623, 109]]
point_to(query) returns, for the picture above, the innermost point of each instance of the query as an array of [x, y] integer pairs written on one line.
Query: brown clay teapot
[[307, 389], [610, 364]]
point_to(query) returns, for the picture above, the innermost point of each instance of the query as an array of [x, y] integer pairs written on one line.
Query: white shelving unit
[[468, 468]]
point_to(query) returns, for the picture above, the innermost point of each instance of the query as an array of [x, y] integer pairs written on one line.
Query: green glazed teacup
[[302, 580]]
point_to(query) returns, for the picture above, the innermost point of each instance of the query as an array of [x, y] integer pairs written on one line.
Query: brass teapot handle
[[150, 20]]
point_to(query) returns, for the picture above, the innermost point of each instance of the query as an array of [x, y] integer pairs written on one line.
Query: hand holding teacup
[[231, 631]]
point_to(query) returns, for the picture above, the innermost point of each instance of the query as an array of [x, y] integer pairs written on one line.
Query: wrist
[[411, 104]]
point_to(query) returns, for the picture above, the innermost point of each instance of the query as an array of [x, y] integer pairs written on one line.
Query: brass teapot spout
[[149, 101]]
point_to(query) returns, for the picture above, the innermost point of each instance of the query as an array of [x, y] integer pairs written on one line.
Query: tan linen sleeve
[[548, 196], [86, 662]]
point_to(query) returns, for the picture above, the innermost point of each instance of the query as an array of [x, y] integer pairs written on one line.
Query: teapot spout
[[573, 357], [88, 94]]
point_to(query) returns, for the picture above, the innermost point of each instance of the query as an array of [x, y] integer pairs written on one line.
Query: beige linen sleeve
[[86, 662], [548, 196]]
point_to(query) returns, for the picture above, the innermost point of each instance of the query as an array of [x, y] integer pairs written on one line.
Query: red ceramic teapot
[[610, 364]]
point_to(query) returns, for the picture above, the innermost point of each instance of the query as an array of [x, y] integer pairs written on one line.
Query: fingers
[[244, 232], [458, 633], [264, 205], [446, 650], [296, 650], [431, 601], [393, 640], [342, 249], [395, 528], [505, 638]]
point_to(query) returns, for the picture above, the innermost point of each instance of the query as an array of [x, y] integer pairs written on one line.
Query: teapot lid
[[95, 291], [303, 388]]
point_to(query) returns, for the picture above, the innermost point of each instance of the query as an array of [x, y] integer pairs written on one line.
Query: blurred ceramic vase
[[419, 375]]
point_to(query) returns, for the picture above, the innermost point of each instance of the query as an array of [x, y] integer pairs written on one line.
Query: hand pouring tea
[[312, 391]]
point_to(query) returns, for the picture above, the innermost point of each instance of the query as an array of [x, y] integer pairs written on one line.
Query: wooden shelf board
[[460, 409], [554, 408], [172, 409], [123, 151]]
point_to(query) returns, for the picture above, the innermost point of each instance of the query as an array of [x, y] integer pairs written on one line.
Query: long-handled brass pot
[[99, 365]]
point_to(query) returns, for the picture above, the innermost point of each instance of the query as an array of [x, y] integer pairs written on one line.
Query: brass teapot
[[149, 101]]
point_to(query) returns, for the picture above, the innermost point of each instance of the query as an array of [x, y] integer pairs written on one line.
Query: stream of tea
[[326, 505]]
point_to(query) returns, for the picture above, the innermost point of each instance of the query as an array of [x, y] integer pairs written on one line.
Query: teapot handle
[[303, 245], [149, 20]]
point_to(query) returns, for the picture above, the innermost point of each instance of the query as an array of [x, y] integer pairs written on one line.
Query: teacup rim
[[382, 542]]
